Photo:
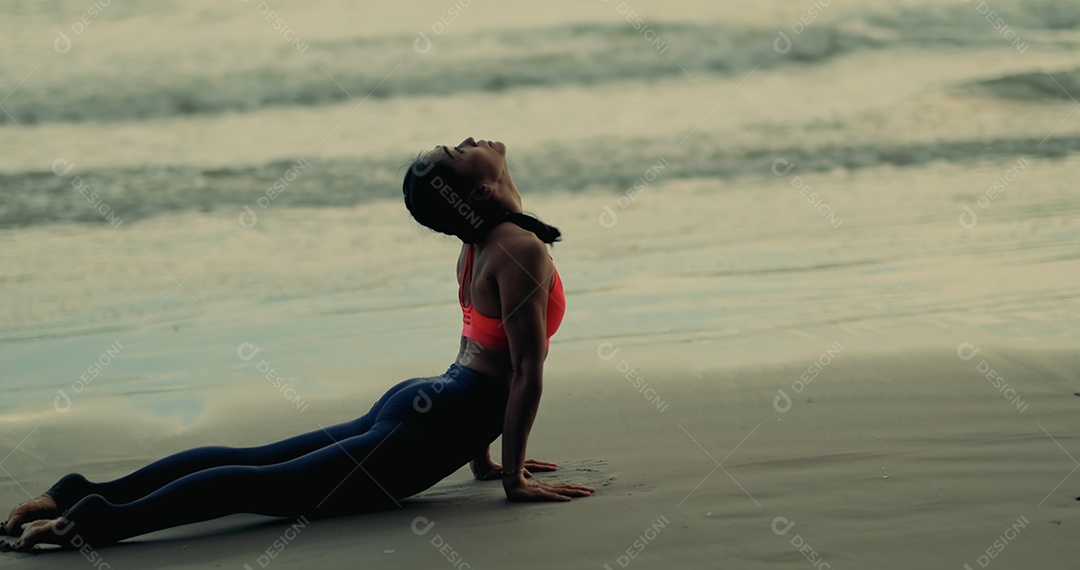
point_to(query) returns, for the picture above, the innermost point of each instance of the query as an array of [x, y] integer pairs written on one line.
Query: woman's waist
[[459, 370], [493, 362], [484, 367]]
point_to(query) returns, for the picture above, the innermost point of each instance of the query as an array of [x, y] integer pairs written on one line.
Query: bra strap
[[466, 275]]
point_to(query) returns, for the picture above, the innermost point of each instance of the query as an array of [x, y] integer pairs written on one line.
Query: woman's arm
[[523, 293], [523, 290]]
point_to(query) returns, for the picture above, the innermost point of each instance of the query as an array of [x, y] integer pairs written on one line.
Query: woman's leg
[[70, 489], [328, 480], [423, 432]]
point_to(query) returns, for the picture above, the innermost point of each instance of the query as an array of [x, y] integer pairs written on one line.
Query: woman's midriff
[[494, 362]]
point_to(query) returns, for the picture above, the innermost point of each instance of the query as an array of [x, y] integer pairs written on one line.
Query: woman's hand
[[490, 471], [518, 488]]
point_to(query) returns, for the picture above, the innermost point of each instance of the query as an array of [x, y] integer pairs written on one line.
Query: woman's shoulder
[[513, 241], [512, 254]]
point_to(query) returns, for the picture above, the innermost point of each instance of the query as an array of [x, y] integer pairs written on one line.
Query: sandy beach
[[884, 461], [820, 264]]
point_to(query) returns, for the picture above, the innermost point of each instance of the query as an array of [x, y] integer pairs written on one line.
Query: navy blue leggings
[[420, 431]]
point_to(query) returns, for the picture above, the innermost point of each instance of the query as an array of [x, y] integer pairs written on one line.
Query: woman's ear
[[481, 193]]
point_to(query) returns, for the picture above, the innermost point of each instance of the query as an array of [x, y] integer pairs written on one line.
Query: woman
[[420, 431]]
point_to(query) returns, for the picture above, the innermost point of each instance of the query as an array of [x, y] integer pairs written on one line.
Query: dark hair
[[442, 200]]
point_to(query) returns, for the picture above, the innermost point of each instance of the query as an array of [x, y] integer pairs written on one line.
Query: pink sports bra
[[489, 330]]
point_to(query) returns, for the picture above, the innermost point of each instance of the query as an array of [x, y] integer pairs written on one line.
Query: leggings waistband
[[461, 372]]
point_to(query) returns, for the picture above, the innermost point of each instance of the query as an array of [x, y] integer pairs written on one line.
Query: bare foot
[[42, 507], [49, 531]]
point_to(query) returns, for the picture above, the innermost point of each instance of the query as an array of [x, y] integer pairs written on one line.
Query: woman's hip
[[459, 395]]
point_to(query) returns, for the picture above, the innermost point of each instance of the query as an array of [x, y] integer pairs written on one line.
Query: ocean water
[[182, 178]]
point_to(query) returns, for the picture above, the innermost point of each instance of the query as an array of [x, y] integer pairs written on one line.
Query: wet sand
[[876, 453]]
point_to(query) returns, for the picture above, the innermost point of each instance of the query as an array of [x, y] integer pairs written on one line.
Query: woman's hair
[[442, 200]]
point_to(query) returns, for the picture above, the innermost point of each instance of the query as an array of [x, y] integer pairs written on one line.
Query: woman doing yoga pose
[[417, 433]]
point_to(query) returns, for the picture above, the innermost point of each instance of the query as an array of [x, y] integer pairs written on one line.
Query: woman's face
[[485, 160]]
